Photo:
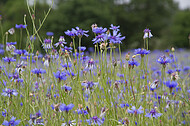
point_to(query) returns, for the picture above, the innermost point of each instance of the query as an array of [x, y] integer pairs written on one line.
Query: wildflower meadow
[[69, 84]]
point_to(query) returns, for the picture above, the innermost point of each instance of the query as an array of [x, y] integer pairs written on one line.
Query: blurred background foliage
[[169, 25]]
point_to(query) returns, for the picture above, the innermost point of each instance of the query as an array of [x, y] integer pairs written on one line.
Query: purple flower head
[[124, 105], [9, 92], [147, 33], [132, 63], [82, 111], [71, 33], [141, 51], [116, 28], [47, 44], [60, 75], [66, 108], [61, 42], [164, 60], [135, 111], [171, 84], [20, 26], [116, 37], [80, 32], [11, 31], [38, 72], [95, 121], [4, 113], [89, 84], [12, 122], [10, 46], [100, 38], [66, 88], [99, 30], [49, 33], [82, 48], [153, 113], [9, 60]]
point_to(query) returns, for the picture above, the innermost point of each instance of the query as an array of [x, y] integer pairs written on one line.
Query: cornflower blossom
[[38, 72], [100, 38], [82, 48], [141, 52], [12, 122], [70, 123], [171, 84], [61, 42], [89, 84], [132, 63], [10, 46], [1, 51], [71, 33], [82, 111], [9, 92], [66, 88], [47, 44], [163, 60], [124, 105], [60, 75], [66, 108], [147, 33], [95, 121], [135, 111], [116, 37], [32, 38], [115, 28], [99, 30], [49, 33], [4, 113], [9, 60], [80, 32], [36, 119], [11, 31], [20, 26], [153, 113], [90, 65], [66, 65]]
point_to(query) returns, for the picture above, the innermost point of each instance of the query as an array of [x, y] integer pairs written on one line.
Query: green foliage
[[180, 29]]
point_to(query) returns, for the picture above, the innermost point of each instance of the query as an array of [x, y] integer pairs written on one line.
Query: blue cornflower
[[19, 52], [82, 111], [80, 32], [164, 60], [20, 26], [4, 113], [49, 33], [89, 84], [71, 33], [171, 84], [82, 48], [66, 88], [9, 92], [66, 65], [70, 123], [100, 38], [99, 30], [90, 65], [116, 28], [47, 44], [9, 60], [95, 121], [153, 113], [132, 63], [124, 105], [61, 42], [66, 108], [141, 51], [36, 119], [147, 33], [2, 51], [69, 49], [10, 46], [116, 37], [32, 37], [12, 122], [60, 75], [38, 72], [135, 111]]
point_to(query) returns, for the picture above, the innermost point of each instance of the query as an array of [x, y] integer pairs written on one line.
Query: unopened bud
[[173, 49]]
